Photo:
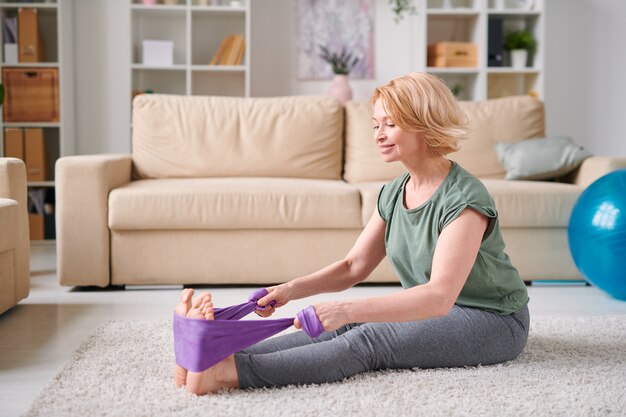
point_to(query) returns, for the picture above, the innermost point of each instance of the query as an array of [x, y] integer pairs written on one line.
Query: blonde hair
[[423, 103]]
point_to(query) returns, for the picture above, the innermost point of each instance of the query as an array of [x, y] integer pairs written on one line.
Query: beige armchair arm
[[595, 167], [13, 187], [83, 184]]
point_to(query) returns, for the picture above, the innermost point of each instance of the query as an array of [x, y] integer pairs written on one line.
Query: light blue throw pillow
[[540, 158]]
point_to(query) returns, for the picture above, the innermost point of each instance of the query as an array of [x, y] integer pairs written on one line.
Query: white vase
[[340, 88], [519, 58]]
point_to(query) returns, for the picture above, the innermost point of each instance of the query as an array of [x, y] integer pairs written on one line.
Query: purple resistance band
[[200, 344]]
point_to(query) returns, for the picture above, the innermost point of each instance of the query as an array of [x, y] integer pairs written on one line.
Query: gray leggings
[[465, 337]]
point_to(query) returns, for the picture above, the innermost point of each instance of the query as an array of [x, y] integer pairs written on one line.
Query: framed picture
[[337, 25]]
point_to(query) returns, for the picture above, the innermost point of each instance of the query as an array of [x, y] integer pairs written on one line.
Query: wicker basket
[[32, 94]]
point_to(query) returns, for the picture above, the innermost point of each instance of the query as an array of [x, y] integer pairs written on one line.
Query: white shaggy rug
[[570, 367]]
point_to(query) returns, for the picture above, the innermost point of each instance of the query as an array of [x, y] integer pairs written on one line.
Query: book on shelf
[[230, 51]]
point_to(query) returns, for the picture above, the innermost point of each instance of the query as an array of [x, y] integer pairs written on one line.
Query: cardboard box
[[14, 142], [453, 54], [35, 153], [35, 226], [158, 53], [30, 42]]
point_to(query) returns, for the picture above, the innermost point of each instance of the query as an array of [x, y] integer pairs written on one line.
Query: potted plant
[[520, 43], [341, 63], [399, 7]]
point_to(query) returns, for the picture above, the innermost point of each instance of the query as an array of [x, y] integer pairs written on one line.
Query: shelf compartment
[[47, 22], [164, 23], [205, 83], [501, 84], [467, 81], [208, 30], [162, 81]]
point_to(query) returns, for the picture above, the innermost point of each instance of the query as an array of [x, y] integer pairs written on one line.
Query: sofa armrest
[[83, 184], [13, 186], [593, 168]]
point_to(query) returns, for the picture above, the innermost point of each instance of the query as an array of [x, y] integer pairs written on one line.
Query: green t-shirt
[[411, 236]]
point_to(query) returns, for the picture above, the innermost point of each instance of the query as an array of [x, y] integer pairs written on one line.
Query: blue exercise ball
[[597, 234]]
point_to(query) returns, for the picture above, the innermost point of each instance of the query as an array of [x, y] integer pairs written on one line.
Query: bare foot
[[182, 308], [221, 375], [201, 308]]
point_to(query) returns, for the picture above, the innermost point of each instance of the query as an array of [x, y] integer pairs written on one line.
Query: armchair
[[14, 239]]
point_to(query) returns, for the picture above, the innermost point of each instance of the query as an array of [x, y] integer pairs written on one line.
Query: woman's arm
[[364, 256], [455, 254]]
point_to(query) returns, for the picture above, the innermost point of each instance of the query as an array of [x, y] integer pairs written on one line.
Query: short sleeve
[[481, 202], [382, 209]]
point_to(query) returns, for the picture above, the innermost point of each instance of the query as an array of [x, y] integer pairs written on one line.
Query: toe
[[180, 376]]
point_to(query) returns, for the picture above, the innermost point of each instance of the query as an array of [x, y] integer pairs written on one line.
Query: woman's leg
[[465, 337], [293, 340]]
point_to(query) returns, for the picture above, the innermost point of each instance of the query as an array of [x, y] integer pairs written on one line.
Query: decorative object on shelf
[[149, 2], [170, 2], [520, 43], [597, 233], [400, 7], [342, 63]]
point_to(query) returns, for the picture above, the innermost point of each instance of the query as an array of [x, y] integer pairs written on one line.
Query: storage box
[[35, 153], [453, 54], [29, 38], [14, 142], [32, 95], [158, 53], [36, 226]]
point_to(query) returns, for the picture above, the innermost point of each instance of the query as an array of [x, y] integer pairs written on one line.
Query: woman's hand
[[279, 293], [332, 315]]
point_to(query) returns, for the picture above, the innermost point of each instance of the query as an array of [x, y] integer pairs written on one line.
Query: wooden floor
[[39, 335]]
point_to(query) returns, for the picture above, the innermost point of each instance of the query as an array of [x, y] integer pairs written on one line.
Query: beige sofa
[[14, 244], [260, 190]]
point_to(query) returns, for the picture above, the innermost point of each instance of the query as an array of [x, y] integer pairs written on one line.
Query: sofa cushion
[[193, 136], [540, 158], [234, 203], [533, 203], [363, 161], [369, 198], [508, 119], [519, 203]]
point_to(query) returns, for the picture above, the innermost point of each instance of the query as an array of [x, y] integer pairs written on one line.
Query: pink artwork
[[338, 25]]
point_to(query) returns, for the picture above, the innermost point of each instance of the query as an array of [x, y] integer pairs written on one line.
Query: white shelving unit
[[468, 21], [55, 21], [197, 31]]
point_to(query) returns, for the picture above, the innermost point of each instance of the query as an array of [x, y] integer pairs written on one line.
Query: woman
[[463, 302]]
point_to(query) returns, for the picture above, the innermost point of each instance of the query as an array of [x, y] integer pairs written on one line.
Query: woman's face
[[394, 144]]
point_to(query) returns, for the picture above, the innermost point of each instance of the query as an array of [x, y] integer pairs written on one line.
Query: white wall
[[102, 55], [584, 82], [586, 73]]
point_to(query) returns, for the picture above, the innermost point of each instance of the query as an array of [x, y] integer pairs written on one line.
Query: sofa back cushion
[[508, 119], [195, 136]]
